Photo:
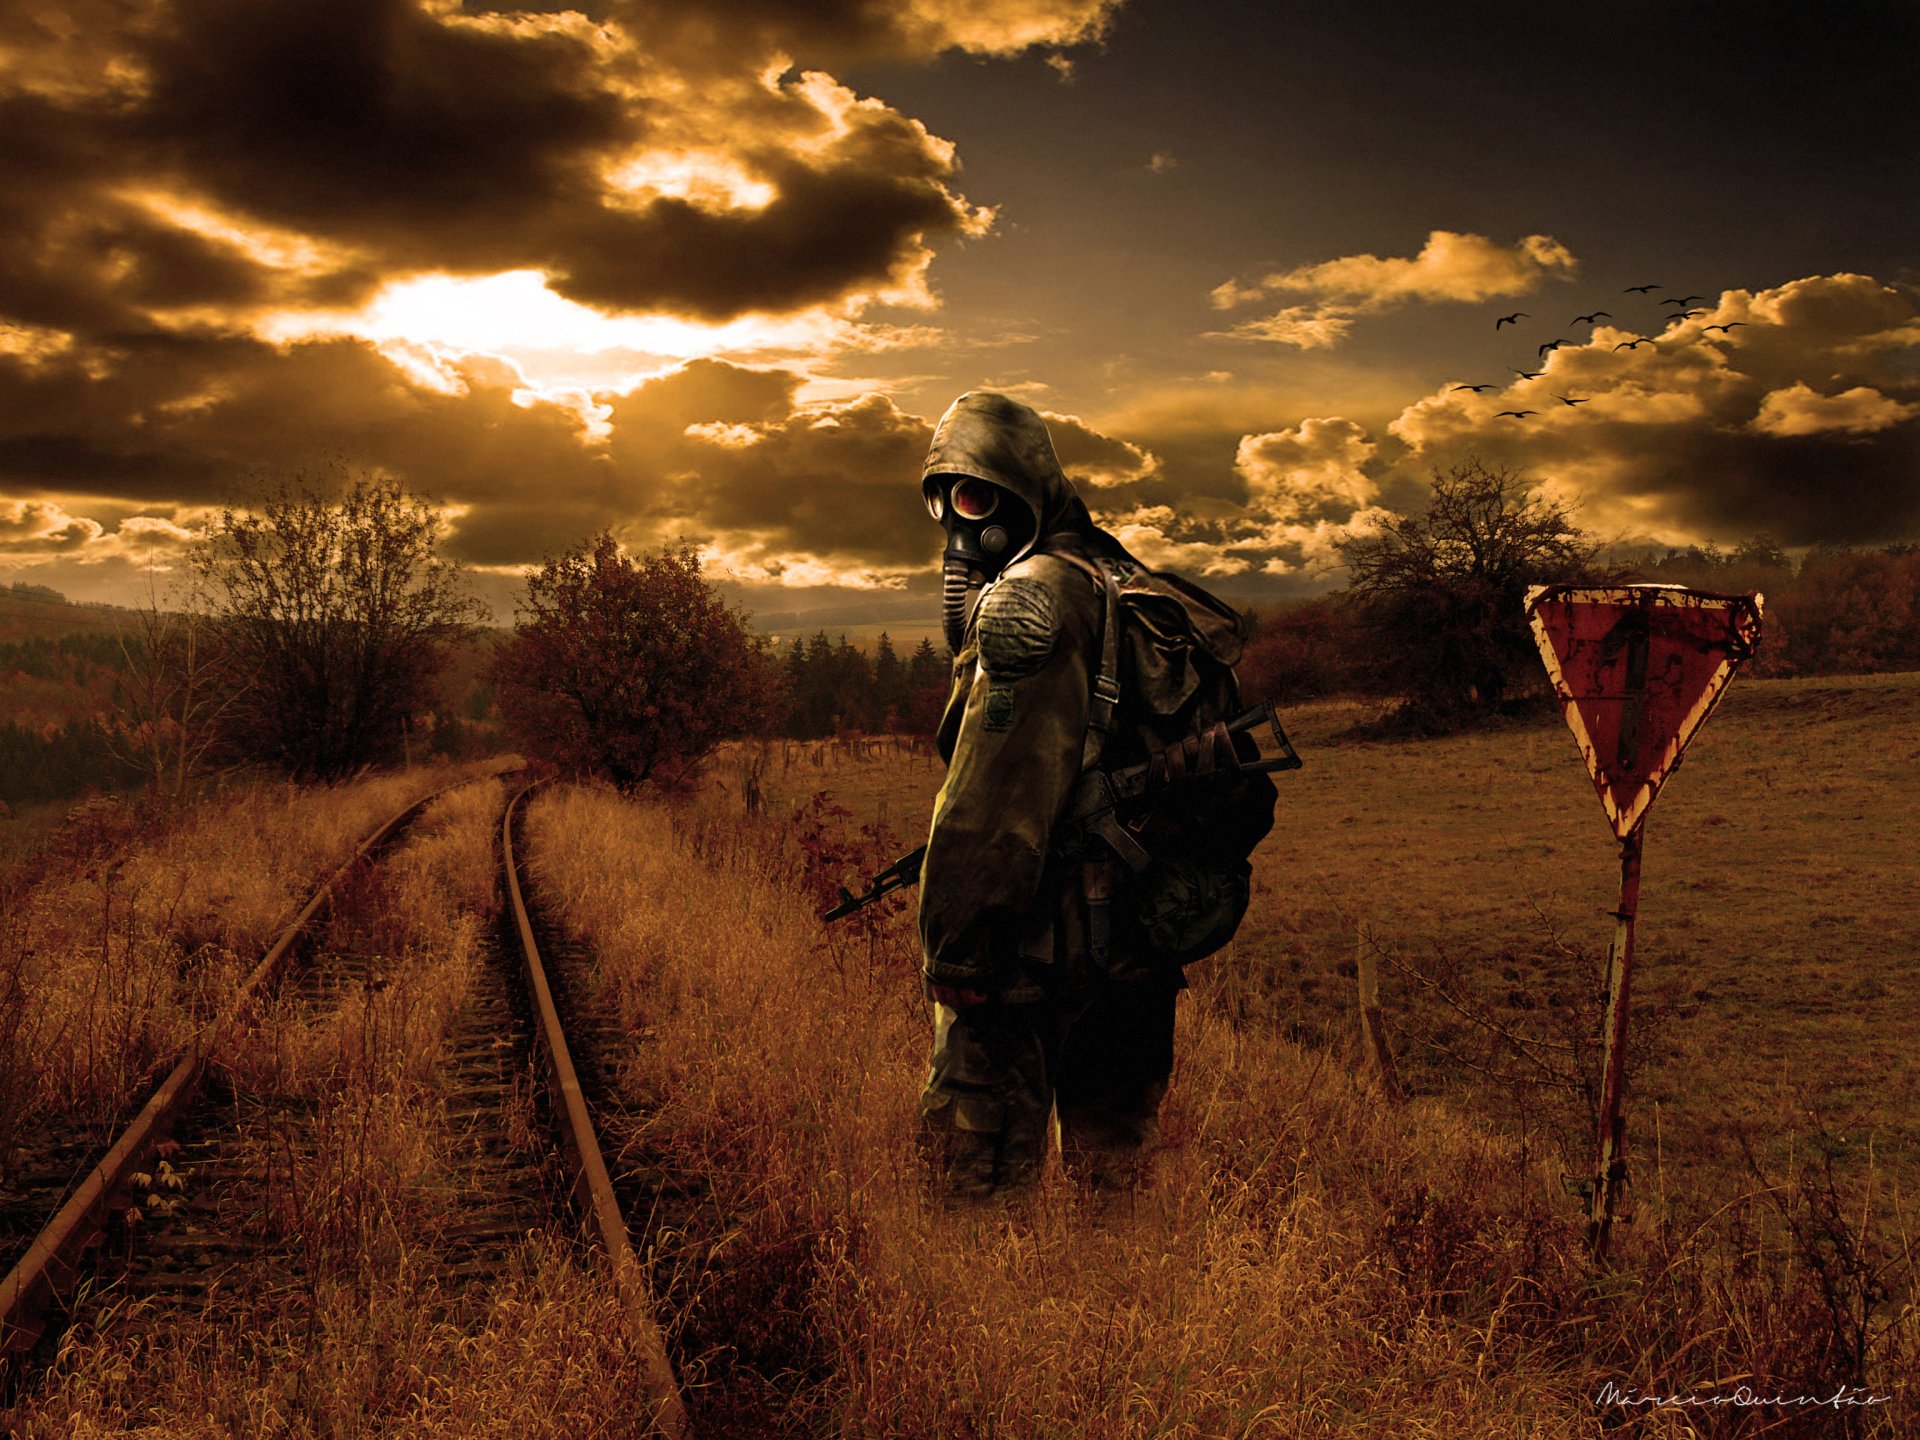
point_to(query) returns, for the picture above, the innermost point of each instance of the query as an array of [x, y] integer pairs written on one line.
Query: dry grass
[[1776, 994], [373, 1355], [1309, 1261], [138, 924]]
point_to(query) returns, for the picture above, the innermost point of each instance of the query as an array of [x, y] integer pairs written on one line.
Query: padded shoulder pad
[[1018, 623]]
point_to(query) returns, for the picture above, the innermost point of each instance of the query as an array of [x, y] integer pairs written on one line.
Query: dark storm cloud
[[175, 420], [378, 118], [838, 482], [713, 452], [400, 136]]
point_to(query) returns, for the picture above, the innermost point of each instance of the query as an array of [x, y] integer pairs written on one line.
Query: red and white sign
[[1638, 668]]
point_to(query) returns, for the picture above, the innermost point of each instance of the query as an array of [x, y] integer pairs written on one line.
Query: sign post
[[1637, 669]]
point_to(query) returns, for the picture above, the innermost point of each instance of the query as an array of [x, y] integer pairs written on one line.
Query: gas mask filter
[[986, 527]]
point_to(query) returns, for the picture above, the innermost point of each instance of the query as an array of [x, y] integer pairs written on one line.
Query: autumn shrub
[[630, 668]]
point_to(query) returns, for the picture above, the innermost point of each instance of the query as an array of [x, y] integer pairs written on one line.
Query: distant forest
[[830, 688], [1834, 611]]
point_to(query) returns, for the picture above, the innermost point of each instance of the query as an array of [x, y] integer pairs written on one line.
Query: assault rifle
[[1099, 798]]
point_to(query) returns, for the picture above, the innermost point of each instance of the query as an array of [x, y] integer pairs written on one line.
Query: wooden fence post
[[1377, 1055]]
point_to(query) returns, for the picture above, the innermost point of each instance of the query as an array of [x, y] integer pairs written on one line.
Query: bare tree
[[1444, 589], [333, 613], [168, 697]]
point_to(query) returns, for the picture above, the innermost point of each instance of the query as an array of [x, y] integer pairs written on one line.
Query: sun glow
[[555, 343], [707, 179]]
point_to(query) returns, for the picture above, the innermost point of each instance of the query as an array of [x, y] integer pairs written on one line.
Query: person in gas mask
[[1038, 1008]]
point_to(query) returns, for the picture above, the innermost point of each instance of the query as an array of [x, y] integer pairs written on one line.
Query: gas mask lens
[[974, 499], [936, 503]]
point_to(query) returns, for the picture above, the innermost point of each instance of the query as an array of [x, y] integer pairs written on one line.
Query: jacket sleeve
[[1016, 754]]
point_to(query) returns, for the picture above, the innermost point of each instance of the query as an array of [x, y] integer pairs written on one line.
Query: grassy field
[[1310, 1260], [1778, 974]]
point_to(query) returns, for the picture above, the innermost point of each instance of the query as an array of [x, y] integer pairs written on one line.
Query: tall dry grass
[[134, 926], [346, 1326], [1308, 1260]]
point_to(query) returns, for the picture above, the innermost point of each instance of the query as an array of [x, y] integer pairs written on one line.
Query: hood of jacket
[[995, 438]]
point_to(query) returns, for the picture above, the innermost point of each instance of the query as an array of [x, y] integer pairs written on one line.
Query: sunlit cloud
[[1802, 410], [1451, 266], [35, 532], [1314, 471], [1152, 534], [1800, 421], [1304, 327]]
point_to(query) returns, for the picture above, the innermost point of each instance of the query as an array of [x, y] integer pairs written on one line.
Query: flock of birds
[[1684, 312]]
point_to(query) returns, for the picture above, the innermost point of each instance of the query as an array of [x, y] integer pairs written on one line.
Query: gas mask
[[987, 528]]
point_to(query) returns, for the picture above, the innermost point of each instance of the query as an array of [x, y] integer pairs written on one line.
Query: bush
[[630, 669]]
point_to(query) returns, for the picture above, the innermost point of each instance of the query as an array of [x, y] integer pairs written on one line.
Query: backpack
[[1165, 686]]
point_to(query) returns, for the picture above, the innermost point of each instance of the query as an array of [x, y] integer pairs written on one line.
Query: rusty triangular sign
[[1638, 668]]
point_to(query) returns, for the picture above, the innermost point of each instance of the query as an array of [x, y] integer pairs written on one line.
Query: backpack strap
[[1106, 680]]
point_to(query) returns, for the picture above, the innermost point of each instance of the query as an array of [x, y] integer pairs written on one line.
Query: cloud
[[1801, 421], [841, 31], [1315, 471], [36, 532], [783, 490], [1801, 410], [1304, 327], [251, 242], [1096, 461], [1450, 266], [1151, 533], [215, 161]]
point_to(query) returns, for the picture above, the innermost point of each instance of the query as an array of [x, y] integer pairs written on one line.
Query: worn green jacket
[[1015, 722]]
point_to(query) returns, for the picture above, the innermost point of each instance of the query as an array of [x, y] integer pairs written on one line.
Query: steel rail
[[47, 1268], [593, 1186]]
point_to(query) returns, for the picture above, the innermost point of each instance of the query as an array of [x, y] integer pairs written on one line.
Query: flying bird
[[1565, 401], [1551, 345], [1509, 319], [1682, 300], [1528, 374], [1516, 414], [1687, 314], [1476, 389], [1638, 289], [1729, 326], [1635, 344], [1589, 319]]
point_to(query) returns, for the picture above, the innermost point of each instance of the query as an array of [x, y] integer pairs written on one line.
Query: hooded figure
[[1025, 1024]]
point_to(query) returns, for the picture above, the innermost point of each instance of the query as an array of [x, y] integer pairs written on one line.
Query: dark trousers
[[1002, 1070]]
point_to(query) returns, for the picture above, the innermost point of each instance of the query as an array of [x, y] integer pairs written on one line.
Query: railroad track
[[223, 1160]]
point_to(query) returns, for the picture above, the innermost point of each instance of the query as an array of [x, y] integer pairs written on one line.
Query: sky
[[711, 272]]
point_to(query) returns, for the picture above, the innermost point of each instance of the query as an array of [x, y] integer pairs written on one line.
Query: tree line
[[325, 619], [831, 689], [1433, 612]]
